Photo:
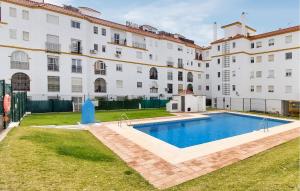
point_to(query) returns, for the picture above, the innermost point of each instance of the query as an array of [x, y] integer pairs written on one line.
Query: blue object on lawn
[[88, 112]]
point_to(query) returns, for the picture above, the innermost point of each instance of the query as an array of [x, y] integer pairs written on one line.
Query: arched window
[[100, 68], [189, 77], [153, 74], [20, 82], [100, 85], [19, 60], [190, 88]]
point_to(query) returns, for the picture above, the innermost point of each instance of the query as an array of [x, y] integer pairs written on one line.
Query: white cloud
[[183, 17]]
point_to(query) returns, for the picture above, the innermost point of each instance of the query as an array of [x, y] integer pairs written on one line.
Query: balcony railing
[[76, 49], [19, 65], [180, 65], [139, 45], [119, 41], [170, 63], [101, 72], [153, 90], [53, 47]]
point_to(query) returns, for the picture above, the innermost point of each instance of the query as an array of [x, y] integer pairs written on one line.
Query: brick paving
[[162, 174]]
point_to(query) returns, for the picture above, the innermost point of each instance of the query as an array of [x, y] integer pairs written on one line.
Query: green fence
[[46, 106], [130, 104]]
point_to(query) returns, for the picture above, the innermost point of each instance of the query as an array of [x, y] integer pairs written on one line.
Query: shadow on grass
[[71, 146]]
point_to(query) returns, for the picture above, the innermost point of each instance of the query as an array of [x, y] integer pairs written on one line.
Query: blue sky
[[194, 18]]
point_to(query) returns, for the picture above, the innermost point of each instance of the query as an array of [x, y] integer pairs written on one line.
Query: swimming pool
[[186, 133]]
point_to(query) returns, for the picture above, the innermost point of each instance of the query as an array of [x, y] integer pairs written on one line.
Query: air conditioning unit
[[93, 51]]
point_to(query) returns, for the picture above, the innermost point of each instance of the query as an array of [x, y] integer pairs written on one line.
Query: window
[[139, 84], [53, 63], [270, 89], [13, 33], [233, 45], [170, 75], [252, 45], [100, 68], [251, 88], [139, 55], [75, 24], [219, 47], [271, 74], [233, 88], [252, 60], [233, 73], [53, 84], [180, 63], [258, 59], [169, 88], [180, 76], [95, 30], [288, 55], [288, 39], [219, 60], [96, 47], [20, 82], [76, 46], [119, 83], [199, 76], [118, 52], [271, 58], [189, 77], [207, 65], [219, 74], [258, 44], [180, 88], [258, 74], [76, 66], [207, 76], [119, 67], [251, 74], [19, 60], [25, 15], [233, 59], [103, 32], [52, 19], [12, 12], [199, 87], [150, 57], [76, 85], [153, 74], [219, 88], [258, 89], [25, 36], [139, 70], [288, 72], [288, 89], [100, 85], [103, 48], [199, 65], [207, 88], [52, 43], [180, 48], [271, 42]]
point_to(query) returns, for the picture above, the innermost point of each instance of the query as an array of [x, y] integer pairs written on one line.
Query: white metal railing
[[118, 41], [52, 47], [139, 45], [19, 65], [264, 124], [125, 118]]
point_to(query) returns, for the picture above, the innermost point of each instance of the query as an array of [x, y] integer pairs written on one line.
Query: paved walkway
[[162, 174]]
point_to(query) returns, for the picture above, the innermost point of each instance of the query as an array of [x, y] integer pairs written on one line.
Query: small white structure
[[187, 102]]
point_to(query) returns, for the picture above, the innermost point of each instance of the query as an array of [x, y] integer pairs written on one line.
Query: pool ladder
[[265, 124], [125, 118]]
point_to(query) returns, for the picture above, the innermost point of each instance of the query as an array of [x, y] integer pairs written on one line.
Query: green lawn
[[104, 116], [52, 159]]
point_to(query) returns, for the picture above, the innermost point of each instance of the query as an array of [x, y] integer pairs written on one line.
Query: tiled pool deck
[[163, 174]]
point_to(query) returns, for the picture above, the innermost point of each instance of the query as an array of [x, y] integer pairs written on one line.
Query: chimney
[[215, 31], [243, 21]]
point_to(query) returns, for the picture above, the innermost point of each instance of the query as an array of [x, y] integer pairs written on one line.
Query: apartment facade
[[71, 53]]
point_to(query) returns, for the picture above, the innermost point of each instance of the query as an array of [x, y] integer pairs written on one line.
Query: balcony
[[180, 65], [101, 72], [76, 49], [139, 45], [119, 41], [170, 63], [198, 57], [19, 65], [53, 47]]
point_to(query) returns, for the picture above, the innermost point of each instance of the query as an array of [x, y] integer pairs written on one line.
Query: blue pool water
[[186, 133]]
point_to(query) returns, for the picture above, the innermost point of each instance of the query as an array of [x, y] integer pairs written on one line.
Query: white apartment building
[[71, 53]]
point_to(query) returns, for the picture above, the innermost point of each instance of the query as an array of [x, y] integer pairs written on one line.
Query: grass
[[53, 159], [104, 116]]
